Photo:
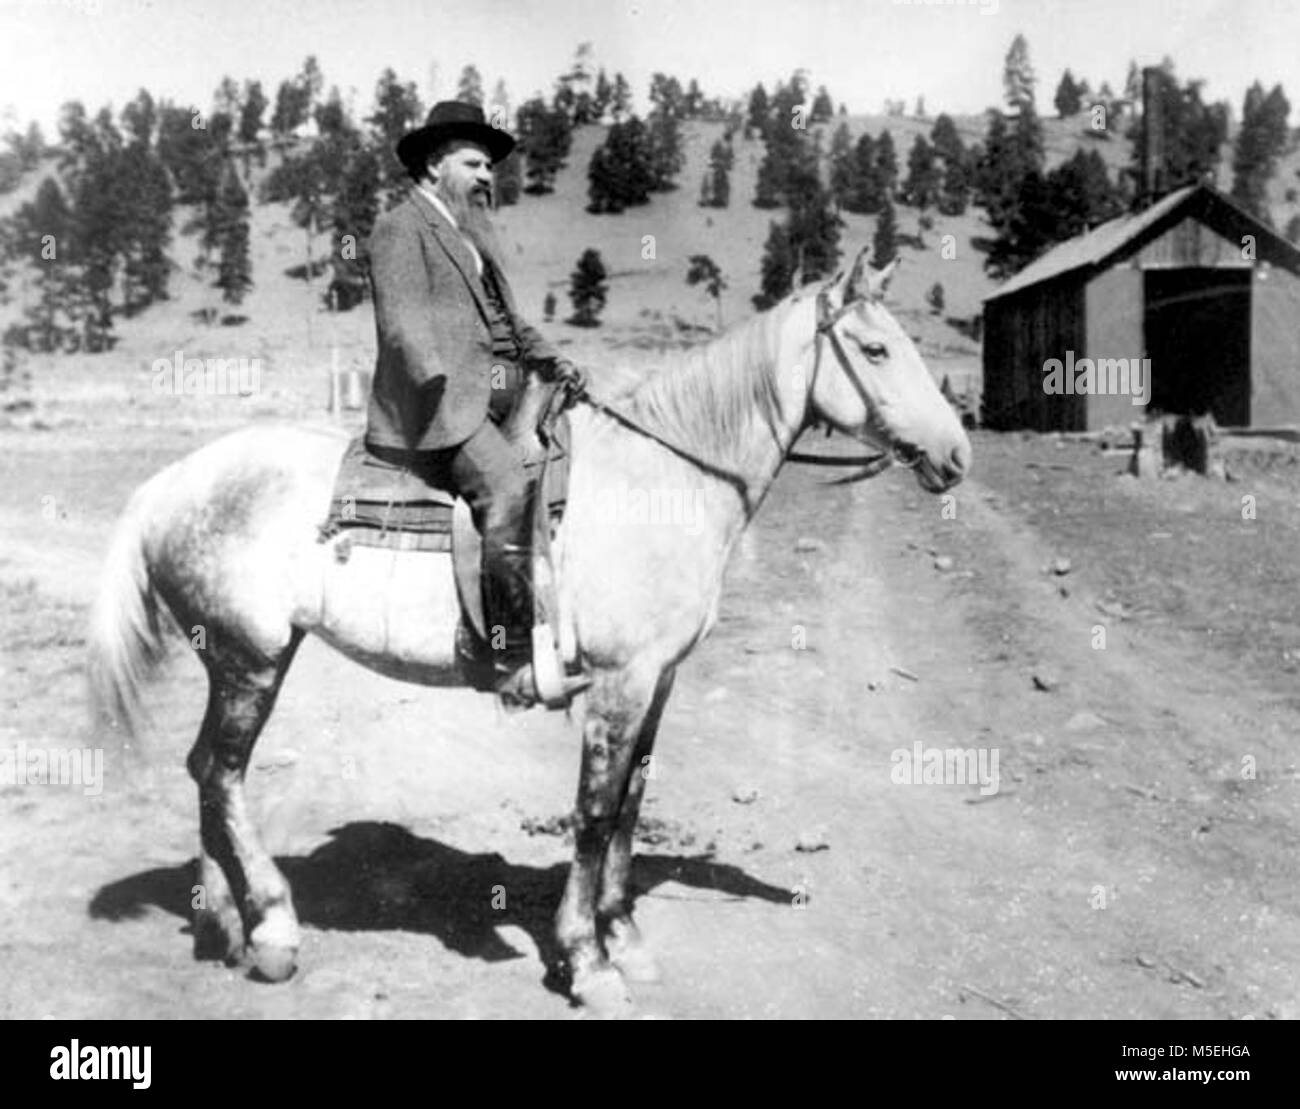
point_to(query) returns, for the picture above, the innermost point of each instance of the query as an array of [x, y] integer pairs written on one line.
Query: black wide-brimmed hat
[[452, 119]]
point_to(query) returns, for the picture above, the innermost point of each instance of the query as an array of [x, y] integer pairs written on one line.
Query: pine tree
[[290, 109], [41, 233], [621, 98], [704, 270], [234, 270], [147, 223], [295, 99], [1018, 75], [865, 195], [98, 187], [573, 90], [843, 165], [945, 139], [191, 154], [1261, 140], [1080, 195], [756, 120], [814, 226], [1027, 228], [588, 289], [312, 82], [225, 101], [508, 182], [332, 116], [716, 190], [1193, 132], [666, 94], [397, 110], [954, 193], [886, 166], [307, 181], [666, 154], [250, 114], [935, 299], [1068, 99], [469, 89], [692, 100], [884, 245], [768, 184], [777, 268], [823, 109], [354, 205], [921, 189], [602, 97], [545, 136], [1008, 158], [621, 172]]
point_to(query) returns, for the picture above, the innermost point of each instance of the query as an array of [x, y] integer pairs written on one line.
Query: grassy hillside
[[650, 306]]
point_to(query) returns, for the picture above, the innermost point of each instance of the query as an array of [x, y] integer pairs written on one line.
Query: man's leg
[[488, 472]]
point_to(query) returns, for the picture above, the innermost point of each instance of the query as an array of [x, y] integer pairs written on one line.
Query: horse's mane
[[706, 398]]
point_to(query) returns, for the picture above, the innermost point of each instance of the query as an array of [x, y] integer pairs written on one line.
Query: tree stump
[[1192, 442]]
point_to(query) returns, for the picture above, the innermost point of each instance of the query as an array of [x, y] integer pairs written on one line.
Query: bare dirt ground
[[1137, 859]]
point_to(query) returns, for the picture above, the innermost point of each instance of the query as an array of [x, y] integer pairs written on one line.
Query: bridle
[[871, 465], [874, 464]]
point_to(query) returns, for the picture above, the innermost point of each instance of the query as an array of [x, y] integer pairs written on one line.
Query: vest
[[506, 348]]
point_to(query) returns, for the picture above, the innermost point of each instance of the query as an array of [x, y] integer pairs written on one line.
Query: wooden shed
[[1199, 300]]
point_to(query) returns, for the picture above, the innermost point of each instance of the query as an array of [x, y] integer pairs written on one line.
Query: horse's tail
[[129, 624]]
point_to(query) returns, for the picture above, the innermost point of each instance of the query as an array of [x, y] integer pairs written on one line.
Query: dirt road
[[1137, 858]]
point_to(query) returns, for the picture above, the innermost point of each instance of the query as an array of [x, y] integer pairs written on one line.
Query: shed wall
[[1115, 303], [1275, 348], [1192, 243], [1020, 334]]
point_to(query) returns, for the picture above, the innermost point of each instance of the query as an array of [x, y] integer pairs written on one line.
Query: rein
[[739, 483], [871, 464]]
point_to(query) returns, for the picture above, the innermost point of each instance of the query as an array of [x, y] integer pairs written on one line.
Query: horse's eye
[[876, 352]]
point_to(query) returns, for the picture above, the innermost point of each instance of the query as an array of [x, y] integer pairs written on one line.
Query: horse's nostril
[[959, 458]]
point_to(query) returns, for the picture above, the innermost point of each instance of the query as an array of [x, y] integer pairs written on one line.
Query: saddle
[[390, 503]]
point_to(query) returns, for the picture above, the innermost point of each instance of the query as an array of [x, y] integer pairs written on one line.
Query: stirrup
[[517, 688]]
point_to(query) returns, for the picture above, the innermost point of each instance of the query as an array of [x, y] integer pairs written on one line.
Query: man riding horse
[[453, 359]]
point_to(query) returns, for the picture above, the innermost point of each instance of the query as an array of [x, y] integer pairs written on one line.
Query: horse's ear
[[875, 283], [853, 288]]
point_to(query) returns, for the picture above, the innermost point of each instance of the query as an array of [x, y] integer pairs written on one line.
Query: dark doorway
[[1198, 340]]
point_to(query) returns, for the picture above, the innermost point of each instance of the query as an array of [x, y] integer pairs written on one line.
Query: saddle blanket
[[378, 503]]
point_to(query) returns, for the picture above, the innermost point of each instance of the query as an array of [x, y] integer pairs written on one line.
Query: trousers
[[488, 471]]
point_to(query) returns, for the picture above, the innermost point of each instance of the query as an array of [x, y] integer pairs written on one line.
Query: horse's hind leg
[[242, 894], [623, 941]]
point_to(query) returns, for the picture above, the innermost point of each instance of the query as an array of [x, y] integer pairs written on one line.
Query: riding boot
[[508, 612], [508, 604]]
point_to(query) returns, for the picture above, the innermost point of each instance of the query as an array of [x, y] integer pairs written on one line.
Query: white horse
[[228, 538]]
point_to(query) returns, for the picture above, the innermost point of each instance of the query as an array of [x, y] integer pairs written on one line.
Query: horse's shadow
[[377, 877]]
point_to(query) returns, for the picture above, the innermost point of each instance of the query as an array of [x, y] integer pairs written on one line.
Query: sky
[[864, 51]]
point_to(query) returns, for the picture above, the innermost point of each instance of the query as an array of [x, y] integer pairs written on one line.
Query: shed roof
[[1106, 243]]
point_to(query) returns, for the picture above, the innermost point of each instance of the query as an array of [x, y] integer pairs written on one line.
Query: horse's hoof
[[218, 937], [273, 964], [273, 949], [603, 993]]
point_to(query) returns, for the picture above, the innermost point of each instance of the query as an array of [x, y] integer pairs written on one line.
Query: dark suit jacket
[[433, 375]]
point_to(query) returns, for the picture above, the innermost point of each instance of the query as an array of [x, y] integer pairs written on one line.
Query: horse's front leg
[[615, 711], [624, 943]]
